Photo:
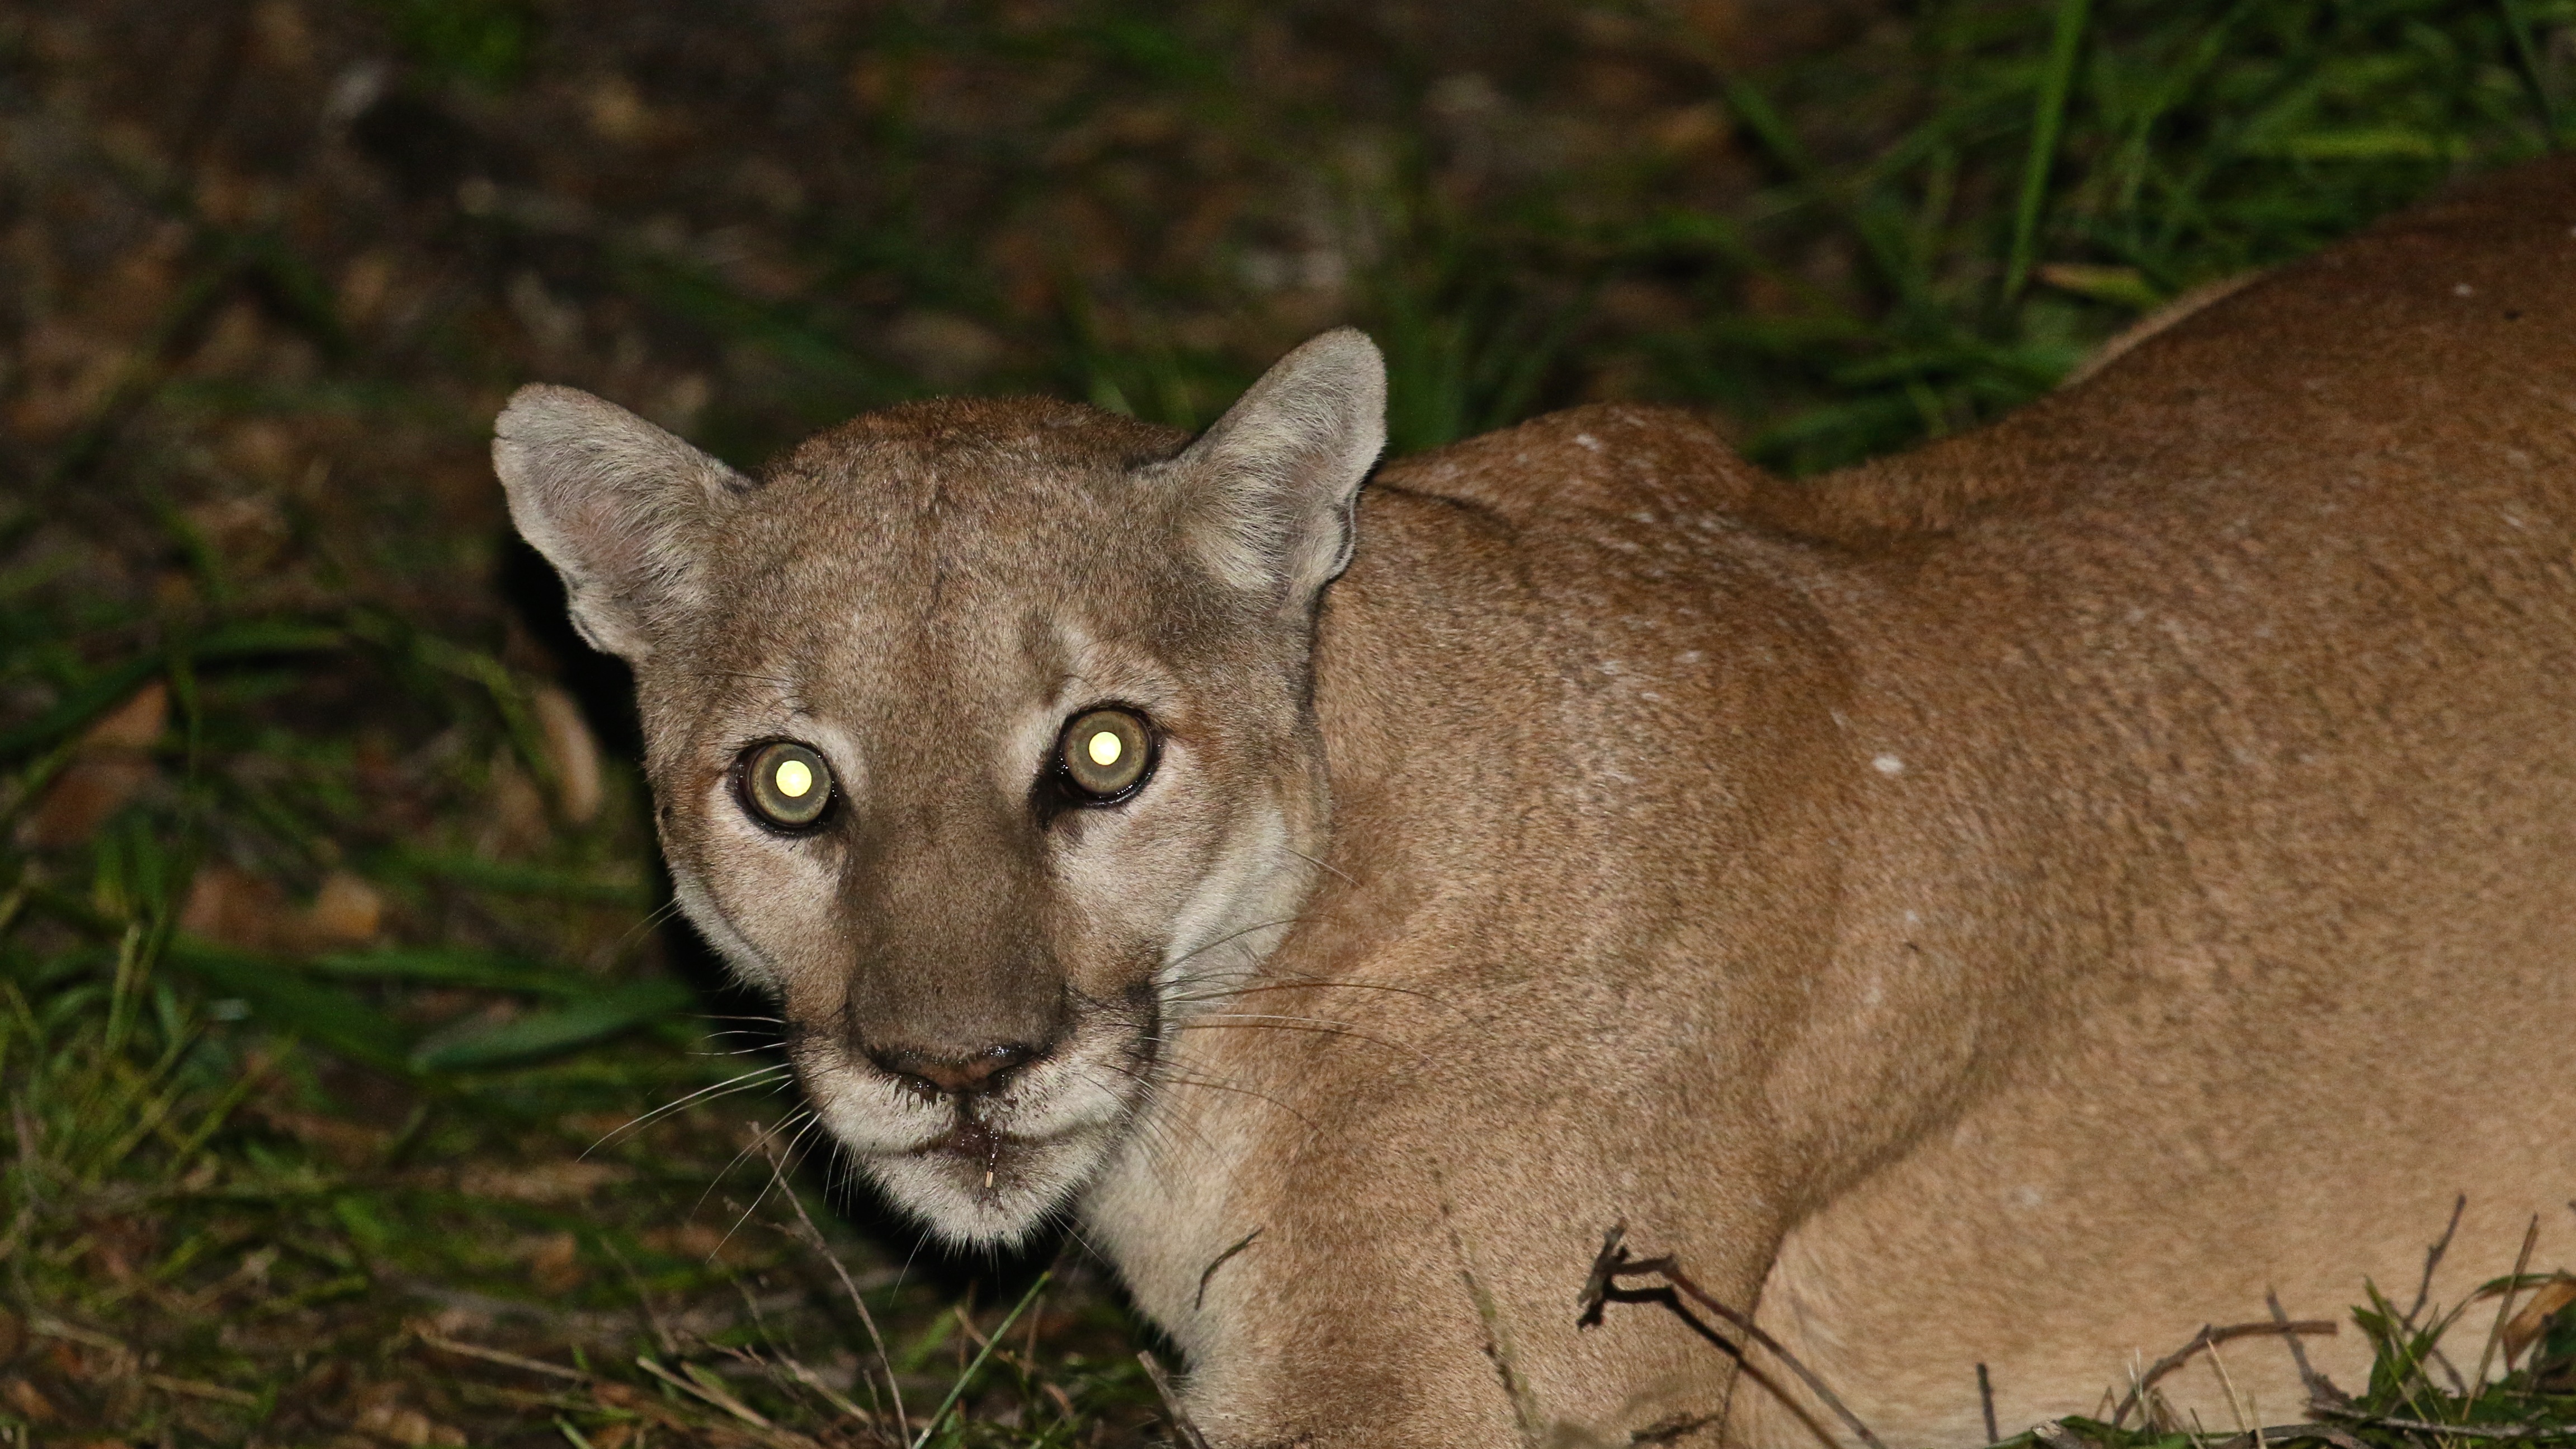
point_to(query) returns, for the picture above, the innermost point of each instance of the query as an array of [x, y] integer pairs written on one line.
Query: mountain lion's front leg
[[1413, 1271]]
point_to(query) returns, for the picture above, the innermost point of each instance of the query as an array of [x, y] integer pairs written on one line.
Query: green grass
[[278, 1167]]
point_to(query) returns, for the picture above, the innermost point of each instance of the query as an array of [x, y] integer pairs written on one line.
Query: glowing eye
[[1107, 752], [786, 785]]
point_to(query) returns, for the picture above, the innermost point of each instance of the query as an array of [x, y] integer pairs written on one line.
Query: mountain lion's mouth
[[986, 1162], [981, 1167], [973, 1139]]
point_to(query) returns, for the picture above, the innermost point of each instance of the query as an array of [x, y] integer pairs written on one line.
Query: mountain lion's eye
[[787, 785], [1106, 753]]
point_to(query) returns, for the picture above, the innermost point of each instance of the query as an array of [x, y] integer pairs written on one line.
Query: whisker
[[785, 1163], [1150, 1094], [1239, 1021], [1204, 1084], [1234, 936], [1296, 983], [1318, 864], [759, 1140], [725, 1088], [652, 919]]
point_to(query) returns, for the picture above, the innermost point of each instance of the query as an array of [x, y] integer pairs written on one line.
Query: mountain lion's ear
[[622, 509], [1270, 487]]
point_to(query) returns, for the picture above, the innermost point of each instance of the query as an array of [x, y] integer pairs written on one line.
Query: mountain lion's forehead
[[951, 487], [983, 454]]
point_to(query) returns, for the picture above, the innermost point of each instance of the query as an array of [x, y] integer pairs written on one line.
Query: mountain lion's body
[[2012, 903]]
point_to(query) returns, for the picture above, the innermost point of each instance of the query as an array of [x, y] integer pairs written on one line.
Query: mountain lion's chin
[[988, 1192]]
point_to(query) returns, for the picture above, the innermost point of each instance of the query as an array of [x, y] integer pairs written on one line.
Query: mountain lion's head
[[979, 732]]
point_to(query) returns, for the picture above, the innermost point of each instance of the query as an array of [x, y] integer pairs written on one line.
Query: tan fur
[[2010, 903]]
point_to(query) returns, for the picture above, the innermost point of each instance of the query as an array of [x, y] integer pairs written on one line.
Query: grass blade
[[992, 1340], [548, 1033], [2048, 116]]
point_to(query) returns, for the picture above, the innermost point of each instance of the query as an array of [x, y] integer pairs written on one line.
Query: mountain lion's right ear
[[1267, 492], [622, 509]]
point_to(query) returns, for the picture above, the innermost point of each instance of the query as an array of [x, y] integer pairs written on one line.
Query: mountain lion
[[2007, 904]]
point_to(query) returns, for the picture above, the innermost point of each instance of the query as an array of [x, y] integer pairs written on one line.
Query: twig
[[1986, 1401], [2280, 1435], [1217, 1262], [797, 1370], [17, 1231], [212, 1393], [2433, 1260], [1492, 1336], [2320, 1389], [2504, 1307], [813, 1237], [1189, 1432], [2465, 1431], [709, 1393], [2201, 1341], [1613, 1263], [500, 1356], [52, 1327]]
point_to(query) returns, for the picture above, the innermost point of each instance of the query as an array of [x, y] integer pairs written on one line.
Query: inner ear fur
[[1269, 489], [622, 509]]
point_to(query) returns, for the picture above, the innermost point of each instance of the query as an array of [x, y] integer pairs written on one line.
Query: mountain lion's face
[[979, 736]]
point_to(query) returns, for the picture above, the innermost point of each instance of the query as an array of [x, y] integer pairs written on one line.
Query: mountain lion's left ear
[[1269, 489], [622, 509]]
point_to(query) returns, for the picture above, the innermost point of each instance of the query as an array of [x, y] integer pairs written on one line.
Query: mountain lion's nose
[[958, 1076]]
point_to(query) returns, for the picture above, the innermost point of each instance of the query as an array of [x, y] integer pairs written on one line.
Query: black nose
[[971, 1074]]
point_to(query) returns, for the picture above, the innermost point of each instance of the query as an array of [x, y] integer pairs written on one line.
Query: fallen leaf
[[2527, 1324], [134, 725], [516, 819], [263, 448], [66, 373], [237, 908], [617, 112], [345, 912], [406, 1426], [566, 1181], [554, 1262], [234, 907], [705, 1241], [572, 751], [346, 1143], [110, 764], [23, 1397]]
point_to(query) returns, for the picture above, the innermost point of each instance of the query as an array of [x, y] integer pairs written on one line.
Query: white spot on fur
[[1888, 765]]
